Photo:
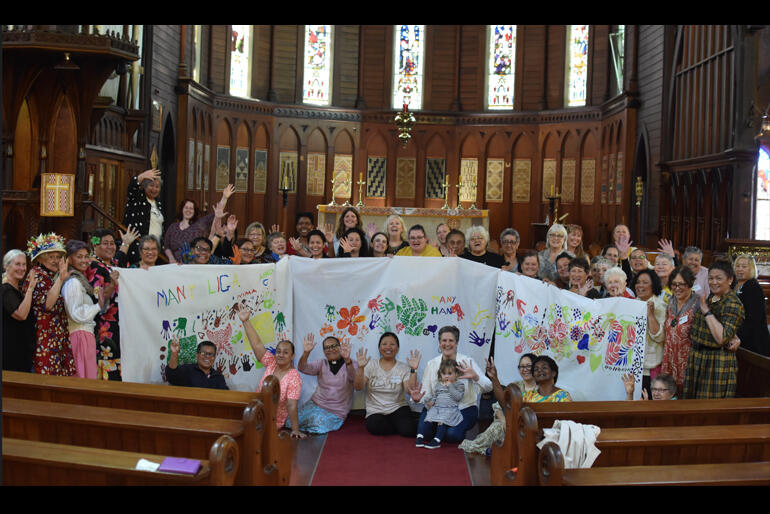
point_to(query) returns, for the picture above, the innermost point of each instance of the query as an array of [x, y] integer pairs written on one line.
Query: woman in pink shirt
[[330, 404], [281, 366]]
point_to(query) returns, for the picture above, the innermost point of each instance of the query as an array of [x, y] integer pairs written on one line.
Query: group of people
[[63, 318]]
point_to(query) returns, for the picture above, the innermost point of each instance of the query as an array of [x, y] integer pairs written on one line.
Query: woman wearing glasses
[[418, 244], [330, 404], [149, 248], [680, 314], [556, 243]]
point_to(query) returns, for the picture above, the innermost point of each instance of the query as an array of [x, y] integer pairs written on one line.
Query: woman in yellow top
[[546, 372], [418, 245]]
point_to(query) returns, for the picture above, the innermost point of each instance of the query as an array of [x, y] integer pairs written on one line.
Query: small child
[[443, 407]]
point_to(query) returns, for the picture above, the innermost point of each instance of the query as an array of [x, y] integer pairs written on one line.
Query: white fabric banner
[[197, 303], [594, 342], [357, 300]]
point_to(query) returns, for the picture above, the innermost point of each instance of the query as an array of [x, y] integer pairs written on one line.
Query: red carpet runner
[[354, 457]]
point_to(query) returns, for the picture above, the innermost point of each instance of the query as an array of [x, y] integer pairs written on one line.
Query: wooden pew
[[35, 463], [551, 472], [606, 415], [273, 455], [177, 435]]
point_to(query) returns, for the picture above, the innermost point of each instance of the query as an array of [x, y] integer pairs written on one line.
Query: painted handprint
[[411, 314], [280, 322], [181, 326], [165, 331], [478, 340], [331, 312], [375, 303], [457, 310], [233, 366], [246, 363]]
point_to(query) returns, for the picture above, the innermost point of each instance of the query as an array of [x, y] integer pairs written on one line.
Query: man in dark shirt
[[200, 374]]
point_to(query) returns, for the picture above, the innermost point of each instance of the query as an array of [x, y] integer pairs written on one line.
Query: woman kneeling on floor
[[330, 404], [386, 381]]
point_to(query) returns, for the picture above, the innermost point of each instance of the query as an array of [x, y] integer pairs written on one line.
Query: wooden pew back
[[35, 463], [273, 455]]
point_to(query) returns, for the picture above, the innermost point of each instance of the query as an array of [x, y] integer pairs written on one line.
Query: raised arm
[[254, 340], [22, 311], [363, 359]]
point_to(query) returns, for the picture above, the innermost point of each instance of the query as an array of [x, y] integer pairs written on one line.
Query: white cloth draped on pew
[[576, 441]]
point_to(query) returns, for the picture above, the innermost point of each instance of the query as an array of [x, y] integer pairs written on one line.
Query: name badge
[[683, 319], [696, 288], [395, 380]]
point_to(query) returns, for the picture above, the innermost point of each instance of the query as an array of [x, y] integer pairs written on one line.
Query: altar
[[461, 219]]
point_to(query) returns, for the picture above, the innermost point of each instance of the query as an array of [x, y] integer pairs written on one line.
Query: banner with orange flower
[[594, 342], [357, 300]]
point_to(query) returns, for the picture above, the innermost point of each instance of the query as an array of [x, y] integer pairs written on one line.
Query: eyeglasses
[[416, 238], [659, 390], [509, 242], [331, 347], [637, 257], [248, 250], [149, 249], [204, 249], [676, 285], [207, 354]]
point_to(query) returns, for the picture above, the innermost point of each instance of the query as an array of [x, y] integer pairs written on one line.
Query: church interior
[[662, 128]]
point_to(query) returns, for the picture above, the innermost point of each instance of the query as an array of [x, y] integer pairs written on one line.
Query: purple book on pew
[[178, 465]]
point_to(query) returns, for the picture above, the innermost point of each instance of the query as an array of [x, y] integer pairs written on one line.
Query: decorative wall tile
[[406, 174], [343, 176], [316, 174], [435, 175], [469, 177], [495, 177], [549, 178], [223, 168], [260, 171], [619, 179], [568, 180], [241, 170], [588, 181], [376, 174], [522, 177]]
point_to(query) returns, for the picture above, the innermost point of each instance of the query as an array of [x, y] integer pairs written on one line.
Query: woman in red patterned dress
[[53, 353], [679, 316]]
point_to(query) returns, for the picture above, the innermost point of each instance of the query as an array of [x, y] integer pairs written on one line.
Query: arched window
[[577, 65], [501, 65], [317, 64], [240, 61], [762, 207], [409, 48]]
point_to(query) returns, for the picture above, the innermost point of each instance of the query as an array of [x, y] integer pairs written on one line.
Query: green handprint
[[280, 322], [411, 313]]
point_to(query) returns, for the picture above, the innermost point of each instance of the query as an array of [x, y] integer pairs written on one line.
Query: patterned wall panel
[[204, 166], [568, 180], [316, 173], [549, 178], [376, 168], [603, 179], [406, 175], [611, 178], [343, 176], [588, 181], [469, 176], [619, 179], [223, 168], [522, 177], [495, 179], [241, 170], [190, 164], [260, 171], [435, 174]]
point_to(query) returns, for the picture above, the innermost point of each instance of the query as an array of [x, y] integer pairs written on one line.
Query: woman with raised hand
[[712, 367], [190, 224], [386, 381], [353, 244], [476, 384], [144, 210], [546, 372], [333, 398], [281, 366], [349, 218], [648, 289], [53, 352], [101, 272], [18, 322]]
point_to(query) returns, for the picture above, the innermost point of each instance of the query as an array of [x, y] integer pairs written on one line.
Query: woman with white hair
[[18, 324], [556, 242], [615, 282], [753, 333], [478, 243], [664, 265]]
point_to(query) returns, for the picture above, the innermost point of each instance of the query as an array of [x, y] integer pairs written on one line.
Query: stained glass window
[[408, 66], [240, 61], [762, 208], [317, 64], [577, 64], [501, 66]]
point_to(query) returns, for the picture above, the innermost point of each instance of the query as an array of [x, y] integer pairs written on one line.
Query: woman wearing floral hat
[[53, 353]]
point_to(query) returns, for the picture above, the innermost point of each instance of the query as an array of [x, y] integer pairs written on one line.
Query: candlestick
[[346, 183], [459, 193], [332, 203], [475, 189], [361, 182], [446, 193]]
